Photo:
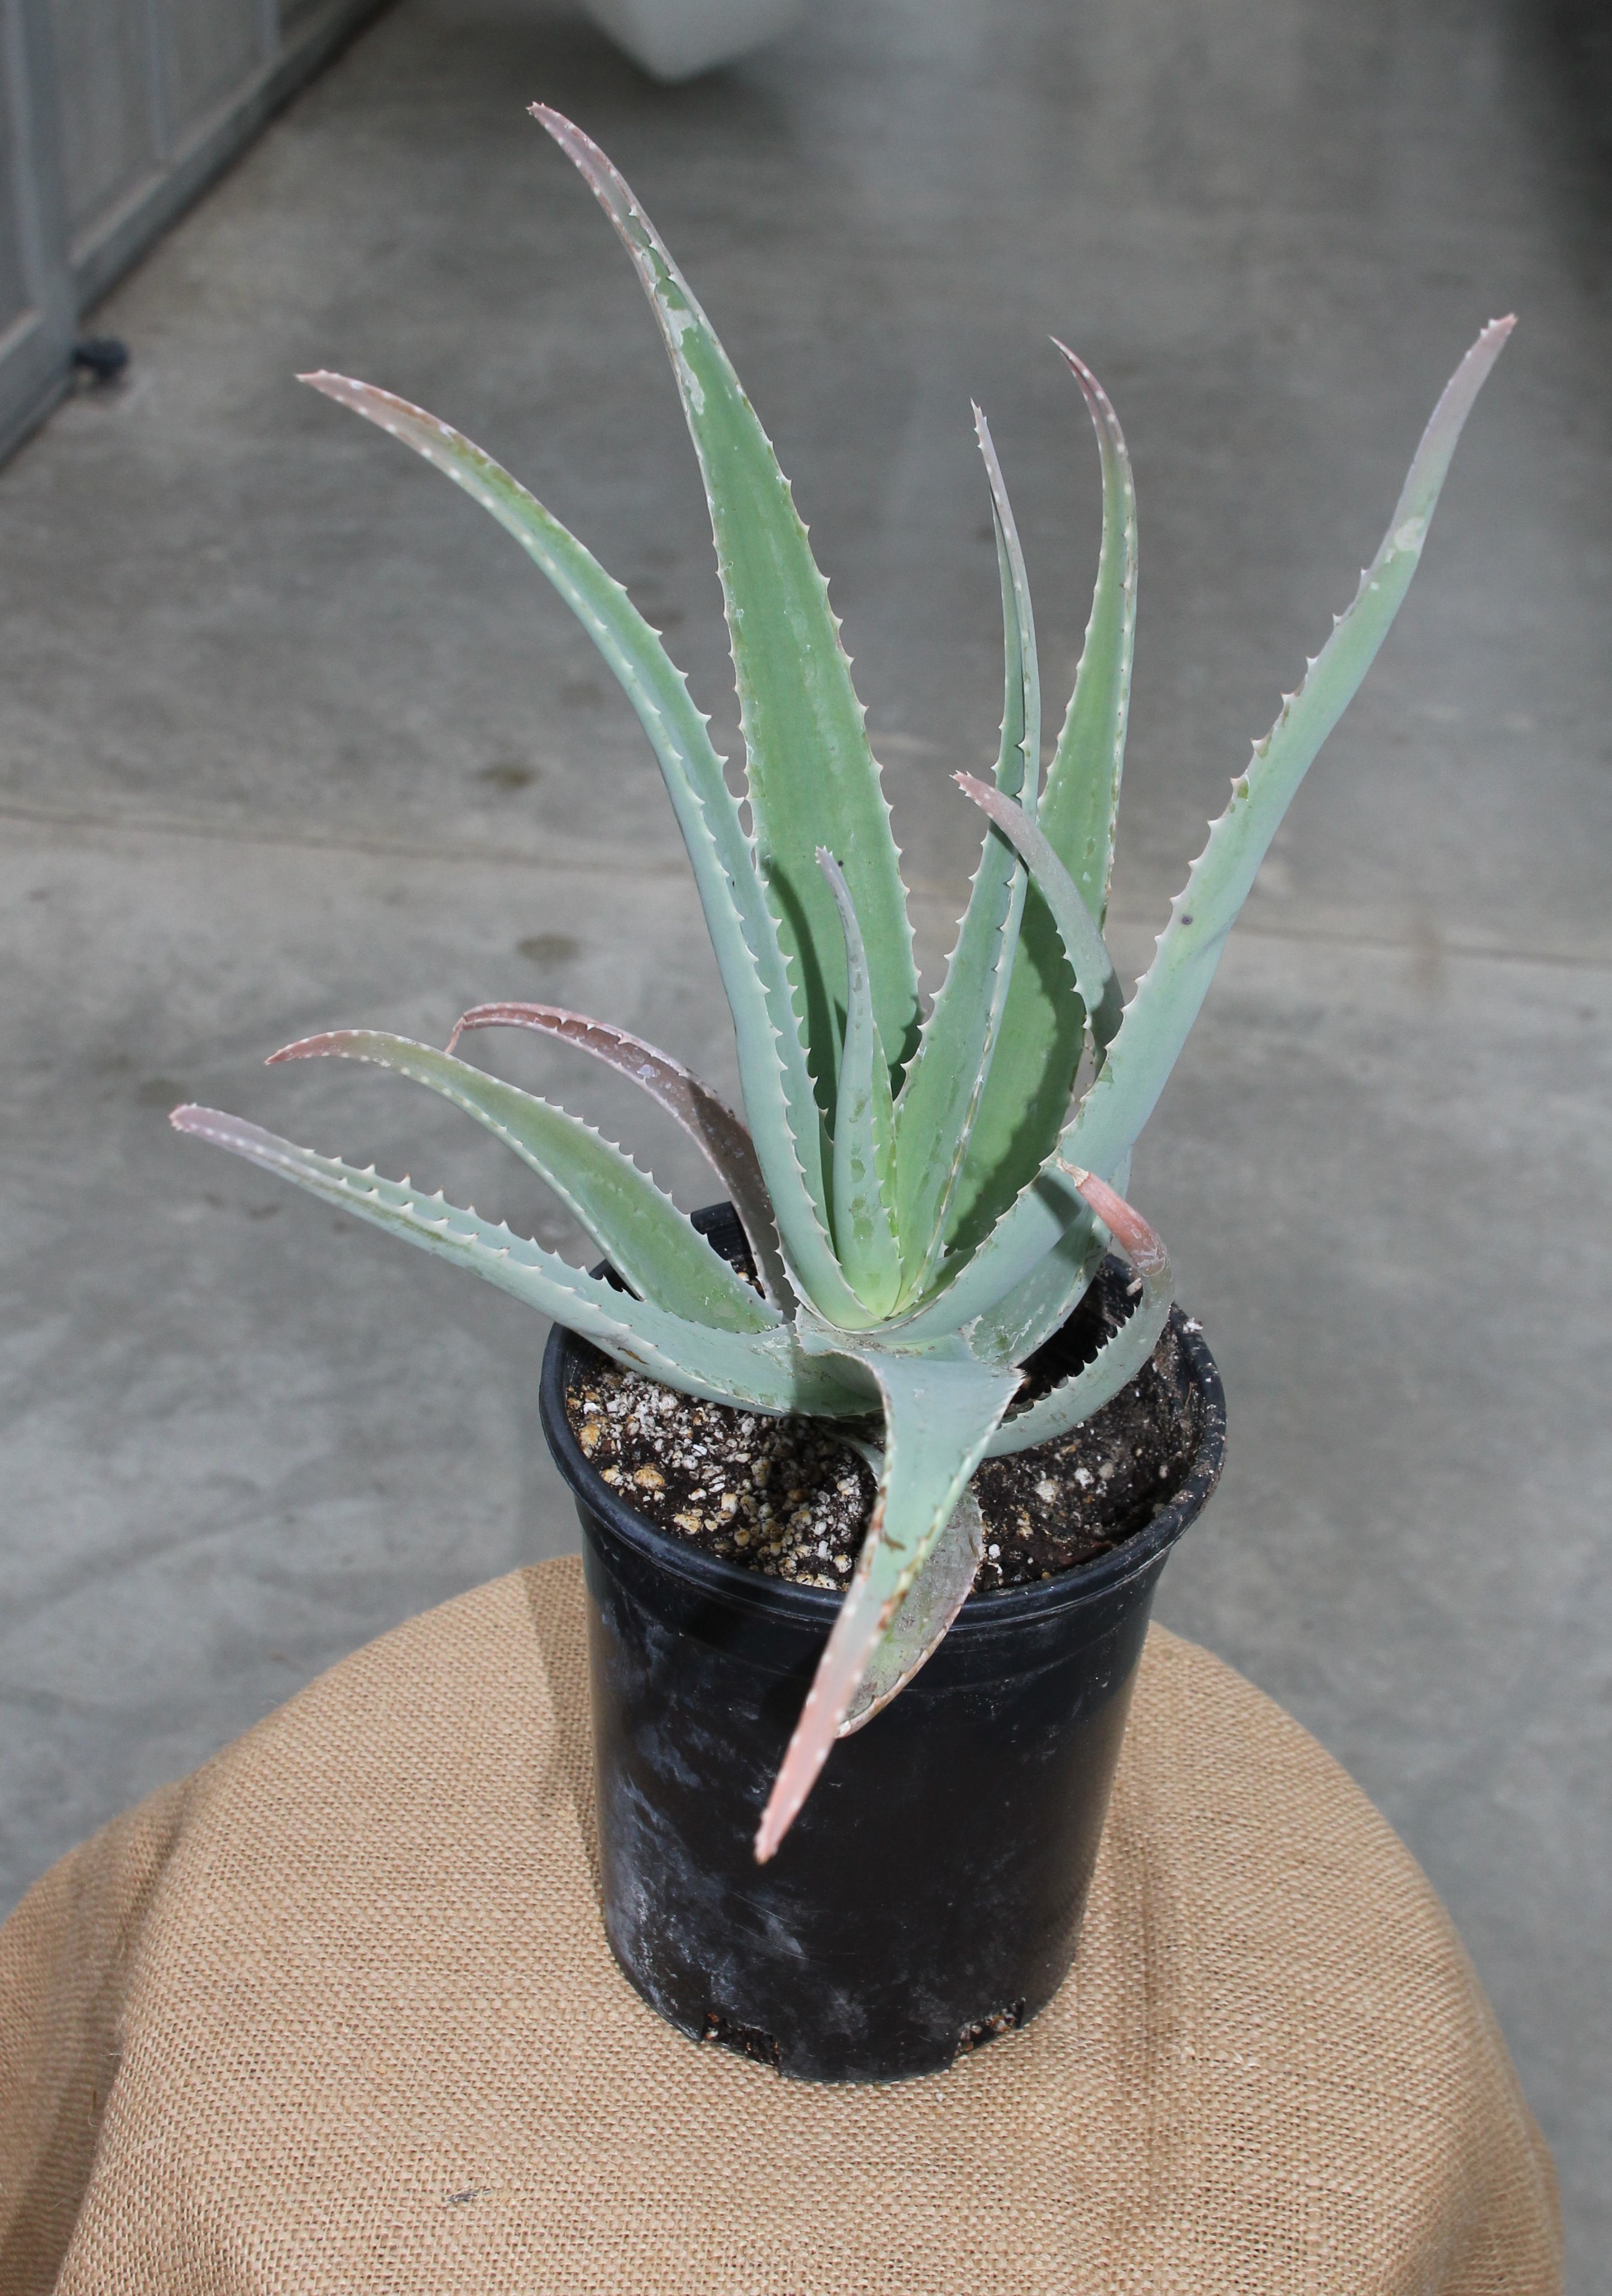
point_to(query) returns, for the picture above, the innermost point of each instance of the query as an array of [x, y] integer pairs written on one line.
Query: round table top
[[337, 2014]]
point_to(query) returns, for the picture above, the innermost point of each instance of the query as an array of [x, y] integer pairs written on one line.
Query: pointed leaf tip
[[1123, 1222], [602, 176], [330, 1042], [1077, 365], [334, 386]]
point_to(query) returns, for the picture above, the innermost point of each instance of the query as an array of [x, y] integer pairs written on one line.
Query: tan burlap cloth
[[337, 2014]]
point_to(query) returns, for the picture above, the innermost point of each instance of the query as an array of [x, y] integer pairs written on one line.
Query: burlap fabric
[[337, 2014]]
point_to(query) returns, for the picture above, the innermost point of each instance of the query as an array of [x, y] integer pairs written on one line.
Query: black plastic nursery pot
[[930, 1894]]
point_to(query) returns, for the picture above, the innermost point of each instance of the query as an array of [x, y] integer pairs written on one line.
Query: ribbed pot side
[[930, 1893]]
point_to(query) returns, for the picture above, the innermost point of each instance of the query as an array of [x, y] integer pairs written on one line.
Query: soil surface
[[786, 1496]]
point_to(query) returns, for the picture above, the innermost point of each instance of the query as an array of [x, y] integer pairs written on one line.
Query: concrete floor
[[292, 738]]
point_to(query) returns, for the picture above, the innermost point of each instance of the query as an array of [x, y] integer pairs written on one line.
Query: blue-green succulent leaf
[[863, 1142], [766, 1370], [941, 1410], [1094, 977], [707, 1120], [1027, 1093], [944, 1583], [924, 1614], [1124, 1351], [1010, 1330], [1081, 806], [943, 1088], [649, 1243], [778, 1097], [1168, 997], [812, 779], [1170, 994]]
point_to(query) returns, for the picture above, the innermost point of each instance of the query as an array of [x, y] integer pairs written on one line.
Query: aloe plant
[[925, 1196]]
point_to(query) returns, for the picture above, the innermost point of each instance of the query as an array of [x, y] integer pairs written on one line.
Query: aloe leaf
[[650, 1243], [942, 1090], [766, 1370], [1170, 994], [939, 1412], [1094, 977], [1026, 1094], [709, 1122], [1124, 1351], [1168, 997], [1011, 1330], [926, 1612], [863, 1140], [1082, 800], [1040, 1302], [946, 1579], [812, 779], [778, 1097]]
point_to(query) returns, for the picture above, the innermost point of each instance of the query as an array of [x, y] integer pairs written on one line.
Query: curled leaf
[[1088, 959], [1124, 1351], [709, 1122]]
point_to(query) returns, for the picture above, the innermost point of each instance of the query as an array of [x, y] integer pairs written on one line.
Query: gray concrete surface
[[291, 737]]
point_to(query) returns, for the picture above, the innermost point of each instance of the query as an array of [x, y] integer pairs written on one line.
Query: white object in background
[[673, 39]]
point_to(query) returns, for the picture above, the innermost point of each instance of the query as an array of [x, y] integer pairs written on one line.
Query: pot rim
[[995, 1609]]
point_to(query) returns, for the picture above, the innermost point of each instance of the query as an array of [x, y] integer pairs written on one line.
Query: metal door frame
[[36, 350], [60, 281]]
